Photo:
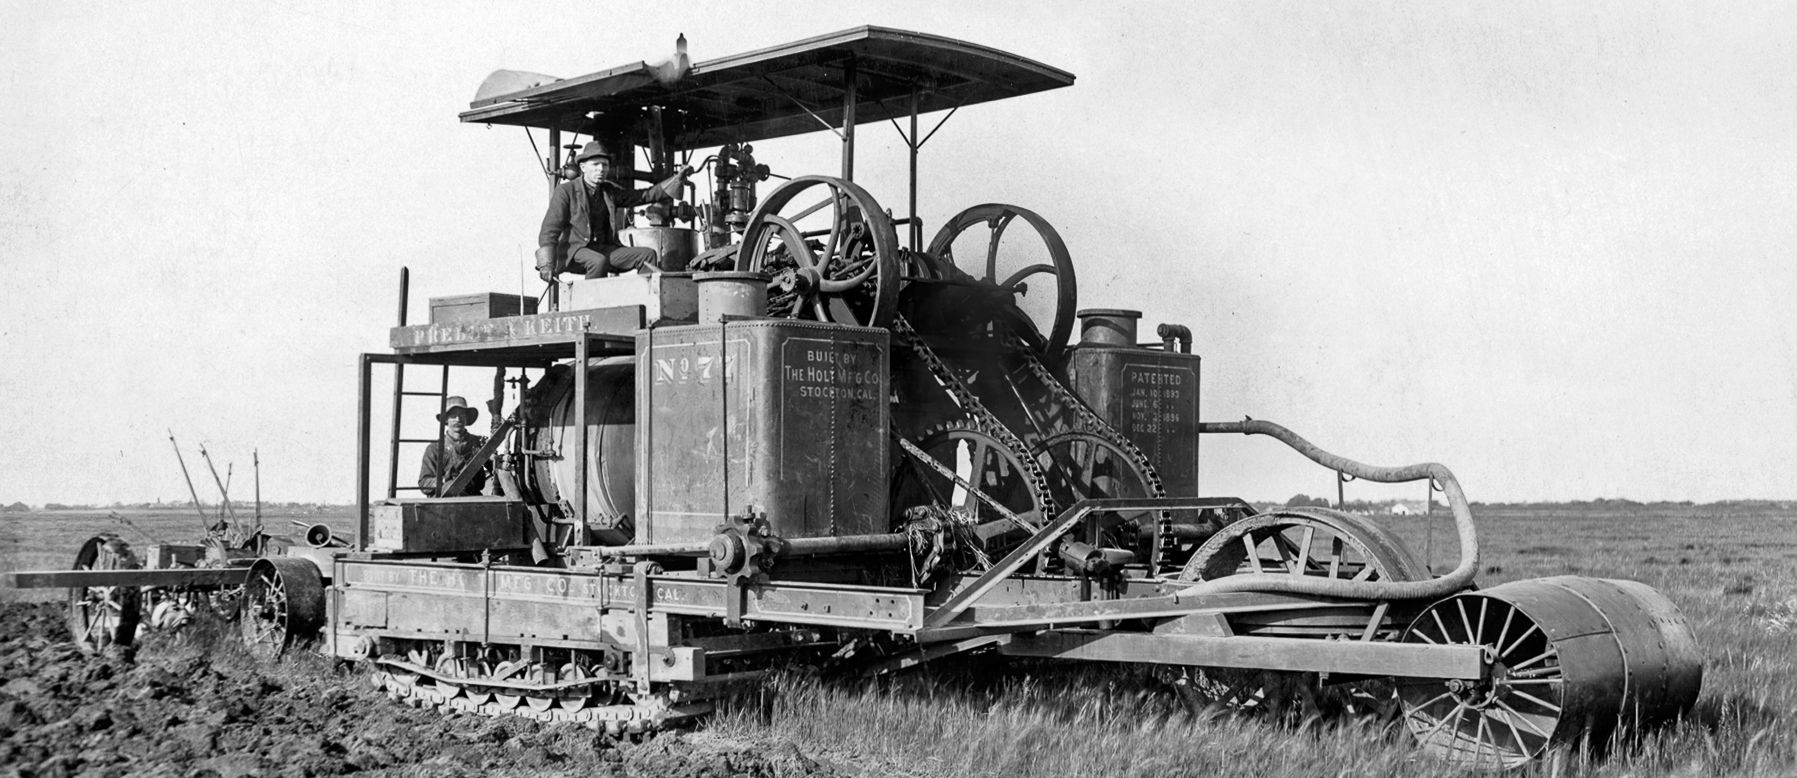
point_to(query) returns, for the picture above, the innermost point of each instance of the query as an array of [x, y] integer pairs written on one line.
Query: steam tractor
[[814, 437]]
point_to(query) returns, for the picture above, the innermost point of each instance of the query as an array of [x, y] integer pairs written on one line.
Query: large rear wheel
[[1312, 543], [1571, 658]]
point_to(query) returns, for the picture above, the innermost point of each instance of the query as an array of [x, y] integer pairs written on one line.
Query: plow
[[812, 438]]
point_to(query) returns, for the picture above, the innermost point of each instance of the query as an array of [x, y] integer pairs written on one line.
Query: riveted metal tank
[[783, 417], [611, 444], [1150, 395], [1570, 657]]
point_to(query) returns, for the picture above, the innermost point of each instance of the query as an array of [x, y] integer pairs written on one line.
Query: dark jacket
[[440, 467], [568, 223]]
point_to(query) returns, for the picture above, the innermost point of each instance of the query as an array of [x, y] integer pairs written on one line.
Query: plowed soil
[[193, 704]]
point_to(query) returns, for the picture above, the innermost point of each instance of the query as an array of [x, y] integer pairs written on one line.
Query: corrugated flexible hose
[[1434, 588]]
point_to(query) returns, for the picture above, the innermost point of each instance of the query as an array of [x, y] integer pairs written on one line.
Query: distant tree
[[17, 507], [1306, 501]]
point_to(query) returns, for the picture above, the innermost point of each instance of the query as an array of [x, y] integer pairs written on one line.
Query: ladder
[[400, 393]]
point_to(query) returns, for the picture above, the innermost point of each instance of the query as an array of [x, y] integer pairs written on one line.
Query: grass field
[[1730, 570]]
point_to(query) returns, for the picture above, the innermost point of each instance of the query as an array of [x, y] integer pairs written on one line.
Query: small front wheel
[[102, 617], [282, 605]]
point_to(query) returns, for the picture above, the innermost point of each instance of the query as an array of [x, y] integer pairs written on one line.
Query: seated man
[[444, 459], [578, 234]]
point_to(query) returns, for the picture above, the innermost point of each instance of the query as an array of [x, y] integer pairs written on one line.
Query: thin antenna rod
[[204, 524], [256, 463], [225, 493]]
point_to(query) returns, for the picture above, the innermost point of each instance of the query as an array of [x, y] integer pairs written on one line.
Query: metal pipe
[[553, 171], [1434, 588], [850, 95], [362, 443], [915, 228], [399, 389], [844, 544], [581, 351], [1170, 334]]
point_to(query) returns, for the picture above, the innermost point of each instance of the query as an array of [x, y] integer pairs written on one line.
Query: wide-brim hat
[[455, 404], [593, 149]]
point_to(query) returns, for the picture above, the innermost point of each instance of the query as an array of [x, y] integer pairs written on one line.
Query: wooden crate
[[478, 307]]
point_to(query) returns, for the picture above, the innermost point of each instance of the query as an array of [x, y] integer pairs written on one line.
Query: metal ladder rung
[[410, 393], [417, 440]]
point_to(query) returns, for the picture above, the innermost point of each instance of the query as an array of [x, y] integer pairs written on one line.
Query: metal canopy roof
[[774, 92]]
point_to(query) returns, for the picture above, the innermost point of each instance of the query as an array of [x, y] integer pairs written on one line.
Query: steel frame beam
[[1345, 657], [68, 579]]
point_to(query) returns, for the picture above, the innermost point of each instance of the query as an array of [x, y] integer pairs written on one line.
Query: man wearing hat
[[444, 459], [580, 231]]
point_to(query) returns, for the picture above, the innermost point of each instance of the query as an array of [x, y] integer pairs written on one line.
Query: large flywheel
[[829, 250], [1038, 271]]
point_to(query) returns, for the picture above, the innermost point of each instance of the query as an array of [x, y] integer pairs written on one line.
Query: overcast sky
[[1545, 243]]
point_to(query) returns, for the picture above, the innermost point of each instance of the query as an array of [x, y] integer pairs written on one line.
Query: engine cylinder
[[1108, 326], [731, 293], [611, 446]]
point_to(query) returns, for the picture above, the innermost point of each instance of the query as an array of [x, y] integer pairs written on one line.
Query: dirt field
[[192, 706]]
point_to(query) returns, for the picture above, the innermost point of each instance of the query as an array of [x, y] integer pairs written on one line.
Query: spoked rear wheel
[[102, 617], [1503, 721], [1313, 543], [1568, 658], [282, 605]]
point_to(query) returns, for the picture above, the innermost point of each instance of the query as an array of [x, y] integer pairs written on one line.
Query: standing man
[[444, 459], [578, 234]]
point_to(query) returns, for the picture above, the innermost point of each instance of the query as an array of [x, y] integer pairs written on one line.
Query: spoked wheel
[[1082, 465], [979, 459], [102, 617], [830, 250], [1315, 542], [1504, 721], [1568, 657], [282, 606], [1038, 271]]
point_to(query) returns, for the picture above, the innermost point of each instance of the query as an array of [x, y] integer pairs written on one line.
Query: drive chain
[[1091, 422], [982, 418]]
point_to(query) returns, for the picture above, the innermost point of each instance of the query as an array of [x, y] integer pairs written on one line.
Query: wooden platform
[[522, 340]]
